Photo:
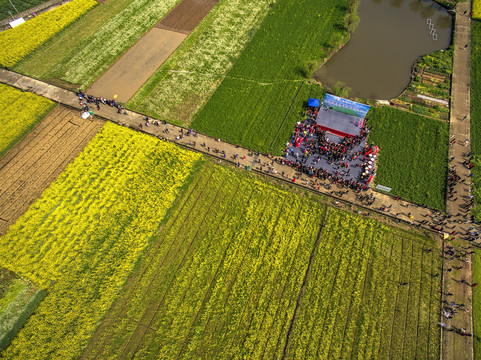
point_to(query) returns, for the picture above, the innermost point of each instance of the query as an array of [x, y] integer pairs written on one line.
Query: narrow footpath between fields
[[458, 279]]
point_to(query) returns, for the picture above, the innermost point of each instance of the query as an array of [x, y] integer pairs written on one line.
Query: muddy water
[[377, 61]]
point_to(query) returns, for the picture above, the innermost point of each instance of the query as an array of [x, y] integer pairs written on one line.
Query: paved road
[[456, 346]]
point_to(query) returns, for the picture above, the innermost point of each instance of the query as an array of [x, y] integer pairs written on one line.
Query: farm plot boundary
[[135, 67], [125, 77], [186, 15], [35, 162]]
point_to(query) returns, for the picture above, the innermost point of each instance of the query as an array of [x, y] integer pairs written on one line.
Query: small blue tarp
[[313, 102]]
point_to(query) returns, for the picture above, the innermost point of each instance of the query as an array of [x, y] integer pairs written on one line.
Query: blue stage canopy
[[313, 102]]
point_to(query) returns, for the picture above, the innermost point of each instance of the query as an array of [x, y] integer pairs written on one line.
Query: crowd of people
[[85, 100], [310, 141], [336, 177], [315, 142], [451, 309], [453, 178]]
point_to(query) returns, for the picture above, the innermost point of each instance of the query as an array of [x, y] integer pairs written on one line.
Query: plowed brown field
[[186, 15], [137, 65], [36, 161]]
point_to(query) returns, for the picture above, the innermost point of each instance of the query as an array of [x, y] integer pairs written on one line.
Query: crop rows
[[113, 39], [22, 40], [355, 305], [83, 237], [281, 50], [202, 60], [34, 163], [88, 48], [264, 110], [225, 274], [413, 155], [20, 113], [223, 277]]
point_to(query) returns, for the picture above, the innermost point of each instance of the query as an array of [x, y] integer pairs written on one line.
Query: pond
[[377, 61]]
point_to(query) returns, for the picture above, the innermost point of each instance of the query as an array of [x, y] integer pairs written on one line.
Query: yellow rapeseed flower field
[[16, 43], [477, 9], [83, 237], [20, 112]]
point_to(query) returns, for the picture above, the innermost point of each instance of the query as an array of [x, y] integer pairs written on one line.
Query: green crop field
[[18, 299], [182, 85], [476, 112], [20, 5], [355, 304], [279, 105], [244, 269], [263, 109], [476, 149], [413, 154], [255, 97]]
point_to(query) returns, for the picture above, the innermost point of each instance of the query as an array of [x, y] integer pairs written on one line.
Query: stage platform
[[339, 123], [351, 173]]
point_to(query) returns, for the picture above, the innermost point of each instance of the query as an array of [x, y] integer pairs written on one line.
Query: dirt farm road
[[136, 66], [454, 346]]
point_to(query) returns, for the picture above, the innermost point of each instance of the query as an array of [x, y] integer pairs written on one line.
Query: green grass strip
[[17, 305], [476, 113]]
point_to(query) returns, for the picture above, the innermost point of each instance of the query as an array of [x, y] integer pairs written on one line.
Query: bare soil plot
[[32, 164], [186, 15], [135, 67]]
